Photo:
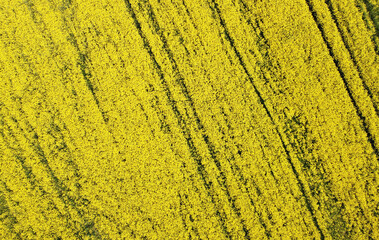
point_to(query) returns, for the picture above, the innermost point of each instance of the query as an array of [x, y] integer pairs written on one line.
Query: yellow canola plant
[[186, 119]]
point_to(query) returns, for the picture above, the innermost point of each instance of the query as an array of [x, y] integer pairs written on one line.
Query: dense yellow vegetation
[[184, 119]]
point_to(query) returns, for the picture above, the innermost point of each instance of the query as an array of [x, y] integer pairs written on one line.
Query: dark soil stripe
[[216, 9], [200, 126], [343, 77], [351, 54], [372, 13], [183, 217], [237, 172], [185, 91], [87, 76], [17, 155], [60, 188], [186, 133], [302, 189], [6, 216]]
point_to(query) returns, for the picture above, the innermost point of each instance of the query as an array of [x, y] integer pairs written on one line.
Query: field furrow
[[180, 119]]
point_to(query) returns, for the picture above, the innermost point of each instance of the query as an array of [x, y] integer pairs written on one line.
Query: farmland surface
[[189, 119]]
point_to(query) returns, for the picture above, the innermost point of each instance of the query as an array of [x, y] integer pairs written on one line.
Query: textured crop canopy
[[189, 119]]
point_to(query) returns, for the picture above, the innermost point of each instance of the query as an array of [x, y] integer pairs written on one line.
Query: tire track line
[[61, 189], [351, 54], [343, 77], [26, 169], [189, 15], [82, 62], [362, 118], [186, 133], [326, 184], [182, 215], [5, 210], [139, 104], [83, 57], [234, 167], [87, 75], [30, 176], [354, 60], [210, 145], [238, 172], [216, 9], [371, 15]]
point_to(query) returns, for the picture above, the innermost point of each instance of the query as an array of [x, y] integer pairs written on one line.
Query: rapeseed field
[[189, 119]]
